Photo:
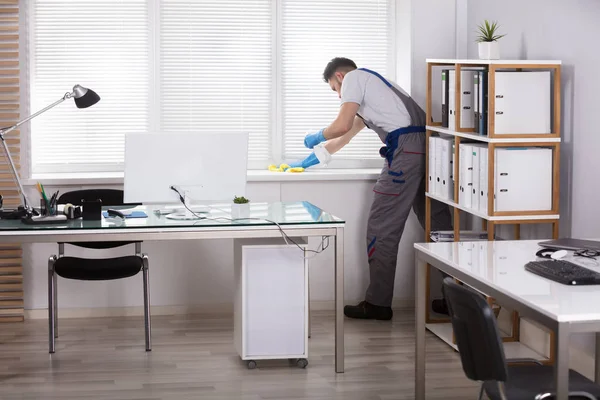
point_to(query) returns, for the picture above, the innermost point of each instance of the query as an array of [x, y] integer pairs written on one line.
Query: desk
[[564, 309], [300, 219]]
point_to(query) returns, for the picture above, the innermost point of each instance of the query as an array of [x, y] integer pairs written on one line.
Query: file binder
[[465, 178], [452, 100], [439, 187], [467, 116], [523, 179], [432, 156], [476, 103], [447, 169], [478, 149], [482, 100], [483, 181], [445, 93], [523, 103]]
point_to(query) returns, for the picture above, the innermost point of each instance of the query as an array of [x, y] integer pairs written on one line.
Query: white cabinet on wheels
[[271, 300]]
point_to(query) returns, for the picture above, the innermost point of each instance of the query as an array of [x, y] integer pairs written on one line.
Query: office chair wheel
[[302, 362], [251, 364]]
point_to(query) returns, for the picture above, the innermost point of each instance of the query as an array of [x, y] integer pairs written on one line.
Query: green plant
[[488, 32], [240, 200]]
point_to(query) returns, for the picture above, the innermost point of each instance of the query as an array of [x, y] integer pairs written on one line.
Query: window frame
[[275, 134]]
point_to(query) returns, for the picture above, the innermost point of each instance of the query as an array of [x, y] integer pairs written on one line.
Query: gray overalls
[[400, 187]]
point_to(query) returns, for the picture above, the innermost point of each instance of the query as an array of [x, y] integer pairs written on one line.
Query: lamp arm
[[4, 131], [15, 126]]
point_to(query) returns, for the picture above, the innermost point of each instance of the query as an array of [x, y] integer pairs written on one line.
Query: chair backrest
[[476, 332], [109, 197]]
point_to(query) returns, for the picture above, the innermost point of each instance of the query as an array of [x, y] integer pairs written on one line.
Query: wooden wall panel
[[11, 261]]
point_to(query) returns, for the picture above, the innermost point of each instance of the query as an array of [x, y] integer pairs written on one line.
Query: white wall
[[563, 30], [200, 273]]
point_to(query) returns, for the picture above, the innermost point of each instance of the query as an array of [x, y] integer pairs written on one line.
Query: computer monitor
[[208, 167]]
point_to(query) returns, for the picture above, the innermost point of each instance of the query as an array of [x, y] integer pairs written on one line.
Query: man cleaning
[[368, 99]]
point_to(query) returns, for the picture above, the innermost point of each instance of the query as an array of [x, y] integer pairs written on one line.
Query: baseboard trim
[[204, 309]]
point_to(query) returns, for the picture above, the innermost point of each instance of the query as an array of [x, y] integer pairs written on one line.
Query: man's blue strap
[[377, 75], [407, 129]]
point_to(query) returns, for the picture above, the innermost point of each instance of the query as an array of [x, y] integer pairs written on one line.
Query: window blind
[[314, 32], [103, 45], [216, 69]]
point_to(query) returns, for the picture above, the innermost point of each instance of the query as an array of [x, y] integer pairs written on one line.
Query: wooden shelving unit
[[440, 325]]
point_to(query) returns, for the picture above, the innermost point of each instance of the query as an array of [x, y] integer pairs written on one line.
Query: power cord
[[324, 239]]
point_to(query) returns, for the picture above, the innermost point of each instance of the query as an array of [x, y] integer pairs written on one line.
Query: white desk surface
[[500, 265]]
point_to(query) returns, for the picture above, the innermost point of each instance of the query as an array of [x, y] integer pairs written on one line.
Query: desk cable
[[322, 246]]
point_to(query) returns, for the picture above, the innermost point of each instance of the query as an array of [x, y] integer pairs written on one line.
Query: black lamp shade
[[88, 99]]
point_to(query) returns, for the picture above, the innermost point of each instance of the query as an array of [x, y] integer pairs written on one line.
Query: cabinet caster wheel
[[302, 363], [251, 364]]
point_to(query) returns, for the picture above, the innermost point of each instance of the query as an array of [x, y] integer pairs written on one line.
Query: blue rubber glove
[[313, 139], [307, 162], [315, 212]]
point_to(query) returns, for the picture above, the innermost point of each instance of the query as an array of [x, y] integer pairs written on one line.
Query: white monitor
[[208, 167]]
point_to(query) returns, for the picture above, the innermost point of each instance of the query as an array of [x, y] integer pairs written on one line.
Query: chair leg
[[147, 302], [309, 313], [51, 304], [55, 305], [481, 392], [501, 390]]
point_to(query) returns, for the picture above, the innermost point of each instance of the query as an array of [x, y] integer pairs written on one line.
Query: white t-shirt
[[378, 103]]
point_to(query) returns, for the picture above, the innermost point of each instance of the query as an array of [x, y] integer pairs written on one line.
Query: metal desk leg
[[339, 300], [597, 359], [561, 366], [420, 304]]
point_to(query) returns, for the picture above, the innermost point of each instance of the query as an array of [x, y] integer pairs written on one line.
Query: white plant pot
[[489, 50], [239, 211]]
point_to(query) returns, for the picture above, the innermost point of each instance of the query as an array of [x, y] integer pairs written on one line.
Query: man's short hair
[[334, 65]]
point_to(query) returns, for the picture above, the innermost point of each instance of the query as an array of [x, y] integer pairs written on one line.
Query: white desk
[[564, 309], [297, 219]]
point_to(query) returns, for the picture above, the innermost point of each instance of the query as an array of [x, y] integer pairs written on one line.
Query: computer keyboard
[[564, 272]]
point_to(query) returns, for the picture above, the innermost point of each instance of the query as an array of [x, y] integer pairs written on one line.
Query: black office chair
[[95, 269], [482, 354]]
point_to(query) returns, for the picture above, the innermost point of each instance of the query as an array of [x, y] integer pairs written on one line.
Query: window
[[197, 66]]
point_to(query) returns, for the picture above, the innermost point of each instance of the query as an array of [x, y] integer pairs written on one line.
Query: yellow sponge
[[284, 168], [298, 169]]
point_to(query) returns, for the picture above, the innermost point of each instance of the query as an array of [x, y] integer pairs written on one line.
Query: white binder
[[439, 187], [465, 178], [478, 148], [522, 102], [523, 179], [467, 115], [431, 164], [467, 99], [447, 168], [452, 100], [483, 181]]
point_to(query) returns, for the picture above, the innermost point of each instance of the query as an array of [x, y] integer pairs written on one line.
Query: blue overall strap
[[377, 75]]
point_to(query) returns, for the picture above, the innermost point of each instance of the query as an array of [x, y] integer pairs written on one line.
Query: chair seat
[[525, 382], [102, 269]]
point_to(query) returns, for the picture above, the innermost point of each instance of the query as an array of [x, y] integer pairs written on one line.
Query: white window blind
[[103, 45], [314, 32], [215, 69]]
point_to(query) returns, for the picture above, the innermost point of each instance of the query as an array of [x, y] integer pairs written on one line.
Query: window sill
[[116, 178]]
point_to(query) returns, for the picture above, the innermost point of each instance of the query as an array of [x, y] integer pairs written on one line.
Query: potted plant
[[240, 207], [487, 40]]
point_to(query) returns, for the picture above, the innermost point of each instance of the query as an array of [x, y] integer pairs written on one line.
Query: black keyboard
[[564, 272]]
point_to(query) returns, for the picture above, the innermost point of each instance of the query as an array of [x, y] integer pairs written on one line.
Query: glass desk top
[[217, 215]]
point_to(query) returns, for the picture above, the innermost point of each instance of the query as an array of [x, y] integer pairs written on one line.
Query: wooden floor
[[193, 358]]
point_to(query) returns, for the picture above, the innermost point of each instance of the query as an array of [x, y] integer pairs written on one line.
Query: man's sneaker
[[439, 306], [366, 310]]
